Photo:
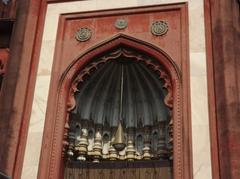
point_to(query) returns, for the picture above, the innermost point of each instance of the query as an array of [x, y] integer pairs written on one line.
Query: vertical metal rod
[[121, 94]]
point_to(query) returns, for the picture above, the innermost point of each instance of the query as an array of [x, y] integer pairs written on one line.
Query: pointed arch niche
[[144, 56]]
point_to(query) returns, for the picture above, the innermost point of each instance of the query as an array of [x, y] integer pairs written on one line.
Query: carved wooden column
[[147, 143], [82, 143], [130, 152], [71, 142], [97, 146], [113, 154], [162, 149]]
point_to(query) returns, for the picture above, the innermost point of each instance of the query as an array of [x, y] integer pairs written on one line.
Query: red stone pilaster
[[224, 42], [18, 86]]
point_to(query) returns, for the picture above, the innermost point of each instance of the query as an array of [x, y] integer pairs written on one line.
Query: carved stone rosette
[[159, 28], [121, 24], [83, 34]]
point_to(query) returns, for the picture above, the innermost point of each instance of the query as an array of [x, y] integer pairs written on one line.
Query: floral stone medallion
[[121, 24], [83, 34], [159, 28]]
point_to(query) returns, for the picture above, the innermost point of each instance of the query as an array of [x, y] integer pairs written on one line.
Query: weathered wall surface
[[198, 83], [225, 28]]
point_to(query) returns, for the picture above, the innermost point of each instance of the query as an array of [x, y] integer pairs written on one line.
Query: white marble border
[[198, 81]]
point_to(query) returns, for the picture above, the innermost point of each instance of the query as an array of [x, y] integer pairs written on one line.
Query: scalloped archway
[[80, 67]]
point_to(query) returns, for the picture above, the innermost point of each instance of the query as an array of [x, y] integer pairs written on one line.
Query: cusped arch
[[117, 41], [170, 73], [122, 41]]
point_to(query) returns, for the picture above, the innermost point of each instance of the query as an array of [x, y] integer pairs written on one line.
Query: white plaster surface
[[199, 101]]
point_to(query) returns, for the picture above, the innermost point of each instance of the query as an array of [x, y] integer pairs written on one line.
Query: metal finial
[[119, 142]]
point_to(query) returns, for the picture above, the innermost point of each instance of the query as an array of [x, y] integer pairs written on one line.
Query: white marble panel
[[198, 80], [46, 57], [33, 149], [198, 64], [39, 105], [196, 26], [201, 157], [199, 105], [29, 172]]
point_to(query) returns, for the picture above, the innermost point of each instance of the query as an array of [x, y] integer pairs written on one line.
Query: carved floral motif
[[121, 24], [83, 34], [159, 28]]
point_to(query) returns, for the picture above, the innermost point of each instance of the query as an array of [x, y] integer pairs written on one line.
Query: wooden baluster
[[147, 143], [162, 148], [130, 152], [97, 147], [71, 141], [113, 154], [82, 143]]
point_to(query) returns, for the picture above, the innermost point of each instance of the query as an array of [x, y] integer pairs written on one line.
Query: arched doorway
[[121, 95], [57, 135]]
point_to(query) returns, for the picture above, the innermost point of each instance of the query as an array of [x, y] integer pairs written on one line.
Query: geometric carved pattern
[[83, 34], [159, 28]]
